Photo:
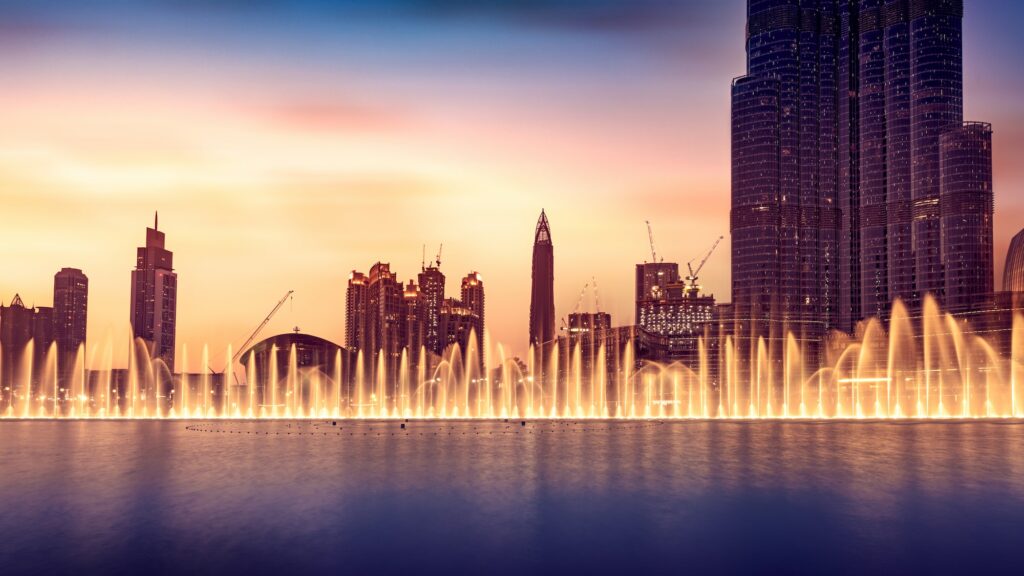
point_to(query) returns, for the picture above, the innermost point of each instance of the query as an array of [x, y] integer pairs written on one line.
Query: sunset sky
[[288, 143]]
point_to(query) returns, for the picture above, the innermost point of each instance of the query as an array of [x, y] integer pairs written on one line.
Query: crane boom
[[692, 278], [438, 259], [259, 328], [650, 237]]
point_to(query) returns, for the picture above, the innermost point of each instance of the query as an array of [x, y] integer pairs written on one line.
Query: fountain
[[930, 367]]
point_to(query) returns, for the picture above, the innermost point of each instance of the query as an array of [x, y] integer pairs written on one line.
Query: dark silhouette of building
[[42, 339], [1013, 273], [355, 310], [838, 142], [966, 204], [20, 325], [542, 296], [70, 315], [155, 296], [431, 281], [16, 327], [311, 352]]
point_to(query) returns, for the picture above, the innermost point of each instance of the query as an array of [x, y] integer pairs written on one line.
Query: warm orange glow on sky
[[272, 173]]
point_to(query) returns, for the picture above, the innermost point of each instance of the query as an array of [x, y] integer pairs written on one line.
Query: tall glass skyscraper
[[838, 146]]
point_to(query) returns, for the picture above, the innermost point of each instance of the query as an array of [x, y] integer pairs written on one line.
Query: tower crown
[[543, 233]]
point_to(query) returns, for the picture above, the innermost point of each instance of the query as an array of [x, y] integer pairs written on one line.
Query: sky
[[286, 144]]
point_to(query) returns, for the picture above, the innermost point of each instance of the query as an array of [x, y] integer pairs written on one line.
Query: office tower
[[542, 296], [155, 296], [837, 151], [70, 314], [432, 286], [355, 311], [966, 204], [1013, 273], [473, 299]]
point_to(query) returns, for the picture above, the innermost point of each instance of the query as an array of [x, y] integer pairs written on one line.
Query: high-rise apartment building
[[70, 314], [154, 306]]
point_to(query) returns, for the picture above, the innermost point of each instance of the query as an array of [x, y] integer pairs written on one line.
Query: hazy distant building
[[1013, 273], [16, 326], [70, 314], [542, 295], [458, 322], [42, 339], [20, 325], [387, 320], [839, 130], [473, 299], [154, 302], [414, 309]]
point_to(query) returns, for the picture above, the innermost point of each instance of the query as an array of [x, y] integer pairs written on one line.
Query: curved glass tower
[[837, 194], [1013, 273]]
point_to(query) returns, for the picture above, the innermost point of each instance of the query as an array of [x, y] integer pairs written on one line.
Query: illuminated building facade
[[841, 128]]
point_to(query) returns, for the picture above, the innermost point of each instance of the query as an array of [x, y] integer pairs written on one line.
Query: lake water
[[227, 497]]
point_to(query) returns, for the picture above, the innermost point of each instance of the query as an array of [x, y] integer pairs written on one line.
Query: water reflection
[[497, 497]]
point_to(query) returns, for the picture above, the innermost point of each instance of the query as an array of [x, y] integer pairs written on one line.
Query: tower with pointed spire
[[542, 298], [155, 296]]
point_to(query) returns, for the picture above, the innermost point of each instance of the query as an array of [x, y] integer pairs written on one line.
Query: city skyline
[[265, 233]]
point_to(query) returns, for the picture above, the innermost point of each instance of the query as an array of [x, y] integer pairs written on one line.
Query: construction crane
[[597, 297], [693, 289], [257, 331], [650, 237], [438, 259]]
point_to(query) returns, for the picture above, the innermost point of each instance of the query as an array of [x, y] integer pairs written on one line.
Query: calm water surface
[[497, 498]]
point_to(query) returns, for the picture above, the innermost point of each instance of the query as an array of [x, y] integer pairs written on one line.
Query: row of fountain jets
[[941, 373]]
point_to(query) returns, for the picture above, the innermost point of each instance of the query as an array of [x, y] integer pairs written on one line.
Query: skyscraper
[[473, 298], [966, 204], [542, 296], [838, 131], [70, 314], [355, 311], [431, 281], [155, 296], [1013, 273]]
